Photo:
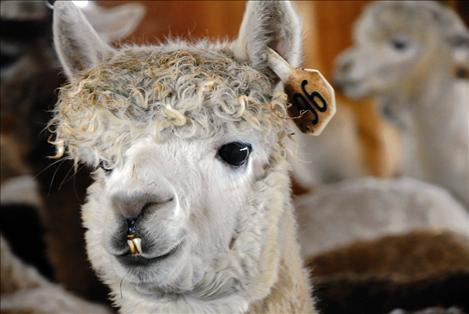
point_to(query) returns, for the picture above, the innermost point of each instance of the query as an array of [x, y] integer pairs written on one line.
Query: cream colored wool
[[156, 91]]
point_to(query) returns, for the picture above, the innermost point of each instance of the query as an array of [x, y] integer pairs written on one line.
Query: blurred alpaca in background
[[335, 217], [351, 146], [413, 57], [30, 76], [24, 290], [368, 208]]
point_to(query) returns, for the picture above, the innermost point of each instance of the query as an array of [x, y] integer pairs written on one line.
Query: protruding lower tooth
[[133, 249], [138, 245], [135, 246]]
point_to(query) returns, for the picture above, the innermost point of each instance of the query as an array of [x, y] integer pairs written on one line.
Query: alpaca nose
[[132, 205]]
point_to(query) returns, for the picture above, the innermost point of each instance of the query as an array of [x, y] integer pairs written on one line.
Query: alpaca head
[[181, 135], [398, 43]]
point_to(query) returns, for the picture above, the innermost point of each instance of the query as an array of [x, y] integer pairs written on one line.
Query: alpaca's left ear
[[273, 24], [76, 42]]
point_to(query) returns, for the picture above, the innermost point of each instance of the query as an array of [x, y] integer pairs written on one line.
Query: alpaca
[[24, 290], [405, 55], [189, 143], [347, 149], [413, 270], [30, 76], [367, 208], [321, 159]]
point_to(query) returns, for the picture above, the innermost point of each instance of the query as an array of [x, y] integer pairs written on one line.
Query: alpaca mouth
[[132, 260]]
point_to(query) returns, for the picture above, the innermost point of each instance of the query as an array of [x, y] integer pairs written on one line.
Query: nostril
[[131, 229]]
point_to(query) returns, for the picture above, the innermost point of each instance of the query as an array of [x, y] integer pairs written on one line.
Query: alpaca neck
[[435, 116], [291, 292], [441, 128]]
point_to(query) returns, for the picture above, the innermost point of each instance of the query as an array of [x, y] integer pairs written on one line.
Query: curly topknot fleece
[[185, 92]]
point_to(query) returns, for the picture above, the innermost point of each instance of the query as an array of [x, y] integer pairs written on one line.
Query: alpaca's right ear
[[273, 24], [76, 42]]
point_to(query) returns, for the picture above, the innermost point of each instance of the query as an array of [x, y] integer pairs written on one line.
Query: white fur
[[114, 23], [416, 85], [364, 209], [266, 25]]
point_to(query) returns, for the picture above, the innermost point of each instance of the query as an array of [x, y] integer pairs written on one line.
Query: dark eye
[[105, 169], [399, 44], [235, 153]]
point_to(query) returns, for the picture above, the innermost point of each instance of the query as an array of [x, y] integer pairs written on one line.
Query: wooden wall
[[327, 24], [221, 19]]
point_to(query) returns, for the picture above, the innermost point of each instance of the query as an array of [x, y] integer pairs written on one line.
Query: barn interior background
[[411, 270]]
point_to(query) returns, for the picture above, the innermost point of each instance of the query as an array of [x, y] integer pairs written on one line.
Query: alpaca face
[[397, 44], [177, 181], [181, 135], [184, 198]]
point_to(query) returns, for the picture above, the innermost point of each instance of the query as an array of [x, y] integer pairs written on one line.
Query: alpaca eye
[[235, 153], [105, 169], [399, 44]]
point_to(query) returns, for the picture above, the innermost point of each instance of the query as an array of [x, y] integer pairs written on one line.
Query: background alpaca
[[365, 209], [190, 141], [346, 149], [24, 290], [30, 75], [406, 54], [414, 270]]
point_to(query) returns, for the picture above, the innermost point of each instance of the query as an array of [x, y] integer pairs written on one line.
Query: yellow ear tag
[[311, 97]]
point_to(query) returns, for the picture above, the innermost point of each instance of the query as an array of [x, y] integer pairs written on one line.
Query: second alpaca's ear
[[76, 42], [273, 24], [459, 45], [114, 23], [456, 36]]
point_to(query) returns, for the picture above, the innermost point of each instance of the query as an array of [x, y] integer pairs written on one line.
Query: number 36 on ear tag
[[311, 97]]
